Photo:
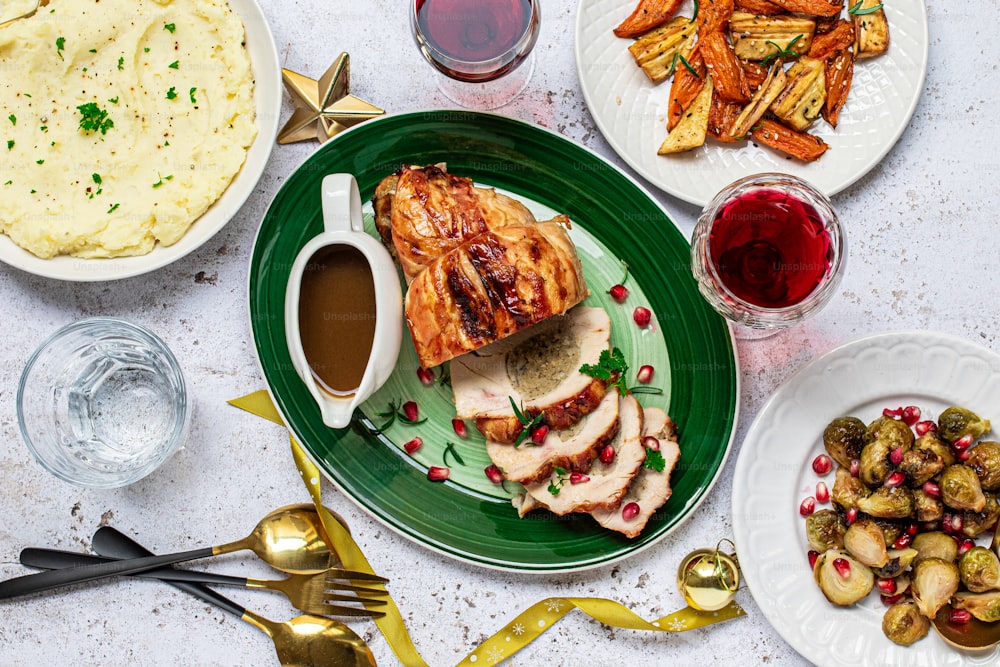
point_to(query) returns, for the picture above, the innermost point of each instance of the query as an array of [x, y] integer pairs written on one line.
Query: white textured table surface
[[922, 228]]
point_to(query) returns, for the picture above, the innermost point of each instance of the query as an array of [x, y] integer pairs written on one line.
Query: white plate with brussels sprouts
[[774, 473]]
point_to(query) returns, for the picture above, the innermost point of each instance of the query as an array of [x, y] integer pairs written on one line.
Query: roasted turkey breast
[[432, 212], [539, 369], [496, 284]]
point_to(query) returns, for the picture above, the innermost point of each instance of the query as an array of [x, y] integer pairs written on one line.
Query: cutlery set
[[289, 539]]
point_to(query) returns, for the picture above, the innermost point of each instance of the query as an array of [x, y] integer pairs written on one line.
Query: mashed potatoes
[[122, 121]]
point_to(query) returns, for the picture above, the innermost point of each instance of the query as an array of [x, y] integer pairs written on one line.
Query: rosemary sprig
[[391, 414], [449, 448], [528, 423], [782, 53], [858, 10], [673, 65]]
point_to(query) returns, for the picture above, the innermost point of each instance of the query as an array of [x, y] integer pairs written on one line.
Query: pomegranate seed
[[494, 474], [932, 489], [912, 529], [892, 413], [895, 478], [903, 541], [962, 443], [578, 478], [855, 467], [886, 585], [924, 427], [460, 429], [808, 506], [822, 493], [965, 545], [425, 375], [952, 523], [959, 616], [851, 516], [896, 456], [645, 374], [630, 511], [889, 600], [964, 455], [649, 442], [410, 411], [813, 555], [822, 465], [642, 316], [843, 567], [413, 445], [438, 474], [539, 434], [619, 293], [607, 455], [910, 415]]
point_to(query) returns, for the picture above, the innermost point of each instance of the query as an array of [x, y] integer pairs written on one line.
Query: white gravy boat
[[343, 225]]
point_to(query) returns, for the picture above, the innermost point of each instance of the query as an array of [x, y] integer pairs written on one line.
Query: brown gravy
[[337, 317]]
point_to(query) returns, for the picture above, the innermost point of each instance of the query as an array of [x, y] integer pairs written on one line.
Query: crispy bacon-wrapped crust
[[433, 211], [498, 283]]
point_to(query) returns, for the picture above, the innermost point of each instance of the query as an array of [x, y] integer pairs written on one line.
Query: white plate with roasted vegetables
[[824, 98], [790, 471]]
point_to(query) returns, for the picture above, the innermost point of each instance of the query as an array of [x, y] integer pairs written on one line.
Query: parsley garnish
[[782, 52], [175, 65], [191, 95], [94, 119], [145, 49], [172, 93], [113, 100], [44, 128], [528, 423], [858, 11], [449, 448], [97, 179], [92, 50], [13, 119], [121, 63], [169, 27], [113, 208], [611, 367], [10, 144], [60, 45], [561, 477], [162, 178], [654, 460], [8, 182], [39, 161]]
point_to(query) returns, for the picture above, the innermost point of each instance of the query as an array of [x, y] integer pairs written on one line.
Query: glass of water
[[102, 403]]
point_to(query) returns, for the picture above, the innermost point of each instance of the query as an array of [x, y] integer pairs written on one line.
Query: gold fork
[[311, 593], [27, 14]]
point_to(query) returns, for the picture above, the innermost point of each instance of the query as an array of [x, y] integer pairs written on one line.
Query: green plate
[[614, 221]]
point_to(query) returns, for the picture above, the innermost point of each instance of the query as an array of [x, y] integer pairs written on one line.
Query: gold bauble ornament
[[708, 579]]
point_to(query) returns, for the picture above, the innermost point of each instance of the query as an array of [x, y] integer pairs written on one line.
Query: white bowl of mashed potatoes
[[132, 131]]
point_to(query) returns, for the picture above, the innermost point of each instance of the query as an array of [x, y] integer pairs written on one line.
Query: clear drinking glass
[[102, 403], [481, 49], [767, 252]]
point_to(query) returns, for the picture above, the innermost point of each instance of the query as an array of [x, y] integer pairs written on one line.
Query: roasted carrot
[[713, 15], [838, 38], [688, 81], [811, 7], [759, 7], [721, 116], [722, 64], [839, 70], [799, 145], [647, 15]]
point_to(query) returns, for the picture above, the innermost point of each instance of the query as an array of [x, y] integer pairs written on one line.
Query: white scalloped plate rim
[[630, 111], [773, 473]]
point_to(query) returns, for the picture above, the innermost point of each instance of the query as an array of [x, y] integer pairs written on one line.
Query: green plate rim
[[536, 163]]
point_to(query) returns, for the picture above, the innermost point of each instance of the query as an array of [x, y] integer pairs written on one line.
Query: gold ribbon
[[518, 633]]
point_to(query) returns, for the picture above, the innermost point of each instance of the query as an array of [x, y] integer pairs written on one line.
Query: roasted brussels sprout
[[935, 544], [931, 442], [895, 502], [825, 530], [843, 438], [899, 561], [926, 509], [864, 541], [955, 422], [979, 569], [847, 490], [974, 523], [984, 606], [984, 458], [904, 624], [933, 583], [875, 466], [843, 579], [892, 432], [960, 488], [891, 529], [920, 465]]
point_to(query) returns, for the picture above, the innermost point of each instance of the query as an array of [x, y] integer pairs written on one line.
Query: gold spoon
[[27, 14], [289, 538], [303, 641], [974, 635]]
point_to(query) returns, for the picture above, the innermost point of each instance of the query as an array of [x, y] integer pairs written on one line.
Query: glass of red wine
[[768, 251], [481, 49]]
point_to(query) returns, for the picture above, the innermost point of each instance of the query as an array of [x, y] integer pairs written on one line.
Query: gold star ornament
[[325, 107]]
